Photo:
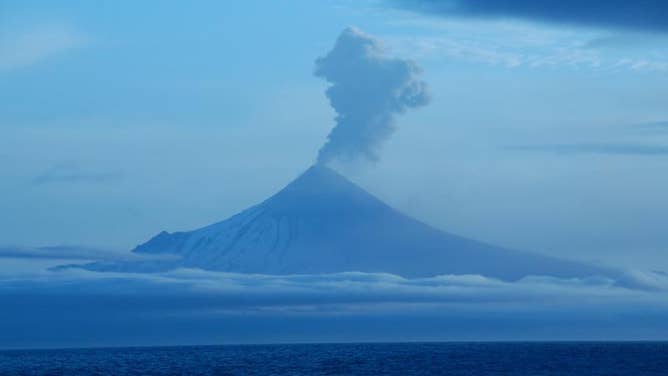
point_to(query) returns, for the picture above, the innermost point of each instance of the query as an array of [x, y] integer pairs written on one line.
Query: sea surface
[[515, 358]]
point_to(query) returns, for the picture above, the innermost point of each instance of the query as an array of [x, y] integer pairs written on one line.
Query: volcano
[[323, 223]]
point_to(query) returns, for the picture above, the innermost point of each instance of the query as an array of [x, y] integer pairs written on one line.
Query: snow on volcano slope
[[323, 223]]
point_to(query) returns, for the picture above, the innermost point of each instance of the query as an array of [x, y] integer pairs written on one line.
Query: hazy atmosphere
[[531, 130]]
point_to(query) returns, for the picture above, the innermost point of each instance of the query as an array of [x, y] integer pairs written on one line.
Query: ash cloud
[[368, 89]]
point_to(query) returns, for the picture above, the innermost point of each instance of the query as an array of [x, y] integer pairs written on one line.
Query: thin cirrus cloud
[[69, 252], [642, 147], [535, 37], [655, 125], [527, 45], [511, 52], [597, 148], [646, 16], [71, 174], [20, 48]]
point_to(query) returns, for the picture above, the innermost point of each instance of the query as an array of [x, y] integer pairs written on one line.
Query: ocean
[[488, 358]]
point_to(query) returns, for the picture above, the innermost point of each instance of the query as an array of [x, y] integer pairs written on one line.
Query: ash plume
[[368, 89]]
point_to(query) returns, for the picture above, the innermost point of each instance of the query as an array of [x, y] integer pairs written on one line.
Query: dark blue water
[[625, 358]]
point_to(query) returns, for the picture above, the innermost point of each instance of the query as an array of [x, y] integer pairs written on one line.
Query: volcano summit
[[323, 223]]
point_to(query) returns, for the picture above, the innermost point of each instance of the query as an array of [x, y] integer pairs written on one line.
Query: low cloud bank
[[75, 307], [598, 148]]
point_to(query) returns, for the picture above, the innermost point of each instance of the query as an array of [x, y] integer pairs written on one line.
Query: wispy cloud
[[654, 125], [502, 53], [642, 64], [68, 252], [515, 44], [597, 148], [24, 47], [73, 174]]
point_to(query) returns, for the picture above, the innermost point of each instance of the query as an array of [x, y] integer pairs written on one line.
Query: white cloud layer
[[75, 307], [342, 289]]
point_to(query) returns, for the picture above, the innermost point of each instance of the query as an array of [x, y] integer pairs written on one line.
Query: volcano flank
[[323, 223]]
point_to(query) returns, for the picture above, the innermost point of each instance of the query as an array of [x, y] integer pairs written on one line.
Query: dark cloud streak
[[656, 126], [69, 174], [66, 252], [597, 148], [641, 15]]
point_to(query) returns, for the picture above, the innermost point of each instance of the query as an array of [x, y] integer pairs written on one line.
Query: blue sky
[[545, 132], [121, 119]]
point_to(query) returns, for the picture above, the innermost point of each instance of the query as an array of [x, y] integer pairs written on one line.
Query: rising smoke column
[[368, 88]]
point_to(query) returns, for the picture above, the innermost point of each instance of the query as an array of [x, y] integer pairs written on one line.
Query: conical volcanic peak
[[318, 175], [323, 223], [320, 180], [320, 191]]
